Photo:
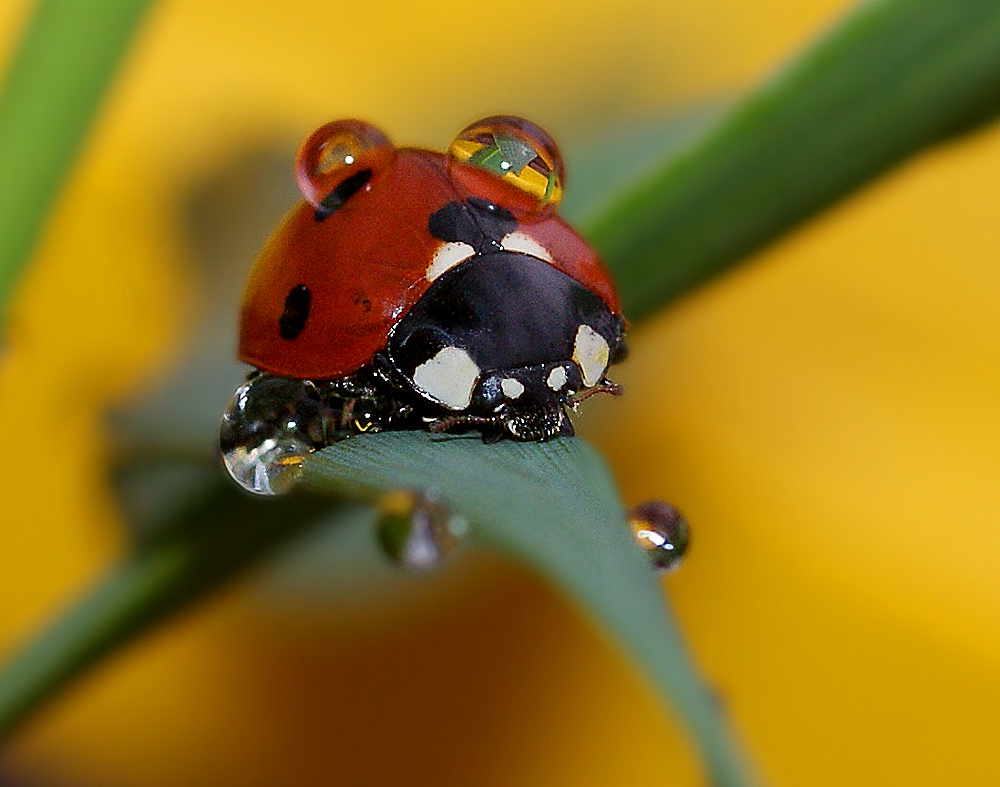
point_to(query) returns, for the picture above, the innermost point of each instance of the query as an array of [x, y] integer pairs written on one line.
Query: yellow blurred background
[[826, 417]]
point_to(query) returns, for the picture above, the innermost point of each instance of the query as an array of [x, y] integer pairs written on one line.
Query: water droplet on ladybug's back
[[518, 152], [337, 160], [662, 532]]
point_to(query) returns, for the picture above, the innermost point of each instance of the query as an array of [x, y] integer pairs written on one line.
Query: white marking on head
[[511, 388], [556, 379], [518, 241], [449, 377], [591, 353], [447, 256]]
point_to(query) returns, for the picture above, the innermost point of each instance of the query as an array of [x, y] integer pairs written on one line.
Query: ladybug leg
[[439, 425], [353, 414], [364, 402]]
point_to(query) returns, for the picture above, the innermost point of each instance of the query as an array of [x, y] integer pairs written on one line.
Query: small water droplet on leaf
[[662, 532], [416, 530]]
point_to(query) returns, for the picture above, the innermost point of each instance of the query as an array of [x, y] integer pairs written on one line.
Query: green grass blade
[[50, 95], [553, 506], [894, 77]]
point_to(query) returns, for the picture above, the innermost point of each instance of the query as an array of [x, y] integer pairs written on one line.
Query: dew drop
[[270, 425], [416, 530], [335, 154], [516, 151], [662, 532]]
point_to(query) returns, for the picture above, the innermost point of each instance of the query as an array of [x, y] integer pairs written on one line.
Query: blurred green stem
[[206, 542], [50, 96], [892, 78]]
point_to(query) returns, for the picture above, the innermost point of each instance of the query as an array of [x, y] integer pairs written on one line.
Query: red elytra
[[365, 265]]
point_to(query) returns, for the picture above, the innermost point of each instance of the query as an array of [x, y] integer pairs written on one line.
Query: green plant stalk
[[50, 96], [891, 79]]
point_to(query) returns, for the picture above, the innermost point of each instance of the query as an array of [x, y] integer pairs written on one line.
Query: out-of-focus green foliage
[[50, 95], [892, 78]]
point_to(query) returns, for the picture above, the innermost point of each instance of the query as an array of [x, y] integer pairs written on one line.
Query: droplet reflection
[[416, 530], [662, 532], [271, 424]]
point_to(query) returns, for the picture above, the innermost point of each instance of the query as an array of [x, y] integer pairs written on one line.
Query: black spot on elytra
[[479, 222], [340, 195], [293, 319]]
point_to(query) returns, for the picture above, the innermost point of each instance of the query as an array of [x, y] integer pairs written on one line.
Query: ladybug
[[418, 290]]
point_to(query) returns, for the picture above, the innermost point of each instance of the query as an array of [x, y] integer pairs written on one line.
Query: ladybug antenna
[[604, 386]]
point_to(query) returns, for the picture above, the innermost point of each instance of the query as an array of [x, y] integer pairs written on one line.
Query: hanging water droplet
[[662, 532], [416, 529], [270, 425]]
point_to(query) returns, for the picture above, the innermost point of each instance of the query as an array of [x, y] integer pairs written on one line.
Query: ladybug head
[[507, 337]]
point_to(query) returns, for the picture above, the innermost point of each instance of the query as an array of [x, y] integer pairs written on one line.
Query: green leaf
[[50, 95], [553, 506], [891, 79]]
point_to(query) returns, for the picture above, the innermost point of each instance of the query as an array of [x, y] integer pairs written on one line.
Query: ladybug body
[[415, 289]]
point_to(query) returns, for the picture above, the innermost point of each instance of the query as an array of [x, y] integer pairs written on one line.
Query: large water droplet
[[662, 532], [416, 529], [270, 425], [515, 151]]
